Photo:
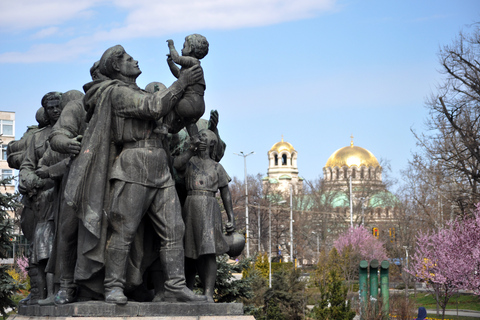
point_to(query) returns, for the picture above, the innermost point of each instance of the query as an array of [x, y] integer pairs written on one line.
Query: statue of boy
[[192, 105]]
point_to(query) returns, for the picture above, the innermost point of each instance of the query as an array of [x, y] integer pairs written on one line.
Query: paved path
[[432, 312], [462, 313]]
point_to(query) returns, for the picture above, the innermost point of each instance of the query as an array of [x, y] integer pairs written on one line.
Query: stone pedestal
[[99, 310]]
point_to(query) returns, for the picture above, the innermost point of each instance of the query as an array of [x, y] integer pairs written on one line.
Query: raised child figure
[[192, 105]]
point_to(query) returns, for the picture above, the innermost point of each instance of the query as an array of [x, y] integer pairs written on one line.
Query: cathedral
[[351, 170], [354, 173], [352, 193]]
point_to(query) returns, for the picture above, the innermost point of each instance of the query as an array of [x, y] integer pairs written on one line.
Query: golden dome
[[352, 156], [282, 146]]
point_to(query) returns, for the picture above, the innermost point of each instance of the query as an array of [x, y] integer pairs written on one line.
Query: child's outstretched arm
[[180, 161], [184, 61], [227, 204], [173, 67]]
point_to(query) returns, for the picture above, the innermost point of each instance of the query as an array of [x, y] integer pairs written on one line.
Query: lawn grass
[[458, 301], [452, 317]]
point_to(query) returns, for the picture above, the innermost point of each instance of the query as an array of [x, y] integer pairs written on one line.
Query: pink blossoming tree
[[362, 242], [448, 259], [358, 244], [22, 264]]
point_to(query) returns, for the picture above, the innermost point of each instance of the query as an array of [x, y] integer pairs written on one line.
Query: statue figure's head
[[41, 118], [115, 63], [70, 96], [51, 105], [211, 140], [155, 86], [95, 72], [198, 46]]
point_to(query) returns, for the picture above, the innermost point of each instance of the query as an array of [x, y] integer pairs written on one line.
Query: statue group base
[[99, 310]]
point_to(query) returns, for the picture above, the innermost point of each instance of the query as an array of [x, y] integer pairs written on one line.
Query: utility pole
[[246, 199], [351, 203], [259, 227], [291, 225]]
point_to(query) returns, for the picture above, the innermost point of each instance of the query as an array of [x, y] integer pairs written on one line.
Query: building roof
[[352, 156], [383, 199], [282, 146]]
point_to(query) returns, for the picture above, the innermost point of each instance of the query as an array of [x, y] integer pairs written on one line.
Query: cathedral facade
[[353, 176], [352, 193]]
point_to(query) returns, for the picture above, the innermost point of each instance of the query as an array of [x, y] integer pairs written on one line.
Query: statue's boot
[[158, 282], [25, 300], [37, 285], [66, 295], [175, 287], [50, 300], [68, 288], [190, 272], [32, 273], [42, 282], [115, 274], [207, 270]]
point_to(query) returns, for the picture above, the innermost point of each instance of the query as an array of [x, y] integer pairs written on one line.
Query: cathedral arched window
[[345, 173], [362, 173], [276, 160], [338, 173], [354, 173], [284, 160]]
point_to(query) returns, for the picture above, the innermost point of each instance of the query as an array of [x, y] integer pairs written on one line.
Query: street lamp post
[[270, 242], [351, 203], [246, 199], [269, 245], [259, 227], [317, 234], [407, 276], [291, 226], [362, 201]]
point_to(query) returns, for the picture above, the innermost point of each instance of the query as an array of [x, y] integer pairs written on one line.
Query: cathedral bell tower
[[282, 168]]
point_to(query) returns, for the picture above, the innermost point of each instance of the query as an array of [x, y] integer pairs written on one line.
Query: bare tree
[[452, 143]]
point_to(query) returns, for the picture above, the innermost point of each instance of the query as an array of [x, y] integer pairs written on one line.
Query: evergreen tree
[[333, 303], [262, 265], [285, 300], [8, 286], [227, 288], [259, 286], [324, 265]]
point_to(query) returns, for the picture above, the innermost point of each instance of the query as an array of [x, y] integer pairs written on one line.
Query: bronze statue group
[[119, 186]]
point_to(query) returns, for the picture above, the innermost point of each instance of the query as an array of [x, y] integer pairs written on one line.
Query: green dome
[[382, 199], [270, 180], [335, 199]]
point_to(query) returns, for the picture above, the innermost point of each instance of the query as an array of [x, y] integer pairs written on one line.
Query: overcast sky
[[314, 71]]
